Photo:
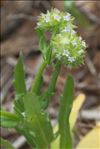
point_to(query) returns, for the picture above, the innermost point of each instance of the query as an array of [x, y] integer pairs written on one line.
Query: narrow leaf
[[19, 77], [8, 120], [72, 119], [64, 113], [19, 83]]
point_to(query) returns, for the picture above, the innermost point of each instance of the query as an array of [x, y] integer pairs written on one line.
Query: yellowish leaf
[[91, 140], [73, 117], [75, 109]]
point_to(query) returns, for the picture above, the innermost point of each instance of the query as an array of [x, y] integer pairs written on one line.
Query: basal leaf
[[64, 113], [37, 121], [8, 120]]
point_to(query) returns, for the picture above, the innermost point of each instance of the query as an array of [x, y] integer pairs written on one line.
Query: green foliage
[[9, 120], [19, 84], [38, 121], [19, 77], [64, 45], [30, 116], [64, 113], [77, 104]]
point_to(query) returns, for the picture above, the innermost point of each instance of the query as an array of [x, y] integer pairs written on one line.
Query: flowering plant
[[30, 116], [65, 45]]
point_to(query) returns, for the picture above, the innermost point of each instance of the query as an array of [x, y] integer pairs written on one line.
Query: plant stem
[[51, 88], [38, 78]]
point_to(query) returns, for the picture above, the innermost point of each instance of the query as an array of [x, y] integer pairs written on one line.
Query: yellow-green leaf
[[73, 117], [91, 140], [75, 109]]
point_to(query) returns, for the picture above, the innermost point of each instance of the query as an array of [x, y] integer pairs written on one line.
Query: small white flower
[[57, 18], [66, 53], [66, 29], [67, 17], [80, 52], [83, 44], [74, 43], [58, 56], [71, 59], [47, 19]]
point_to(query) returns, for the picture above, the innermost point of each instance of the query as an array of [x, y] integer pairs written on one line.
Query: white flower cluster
[[67, 46], [53, 18]]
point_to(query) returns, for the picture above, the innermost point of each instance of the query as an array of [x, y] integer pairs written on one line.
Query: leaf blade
[[64, 112], [19, 84], [8, 120]]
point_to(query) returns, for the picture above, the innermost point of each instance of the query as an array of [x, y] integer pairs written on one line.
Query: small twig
[[91, 66], [19, 142], [90, 114], [5, 89]]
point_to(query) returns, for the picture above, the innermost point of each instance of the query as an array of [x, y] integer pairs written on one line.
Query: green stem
[[38, 79], [51, 88], [66, 133]]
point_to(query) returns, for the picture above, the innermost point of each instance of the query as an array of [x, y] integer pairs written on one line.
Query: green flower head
[[65, 44], [68, 48], [54, 20]]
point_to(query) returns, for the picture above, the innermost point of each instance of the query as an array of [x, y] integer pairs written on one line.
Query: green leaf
[[19, 83], [6, 144], [37, 121], [72, 119], [9, 120], [64, 113], [19, 77]]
